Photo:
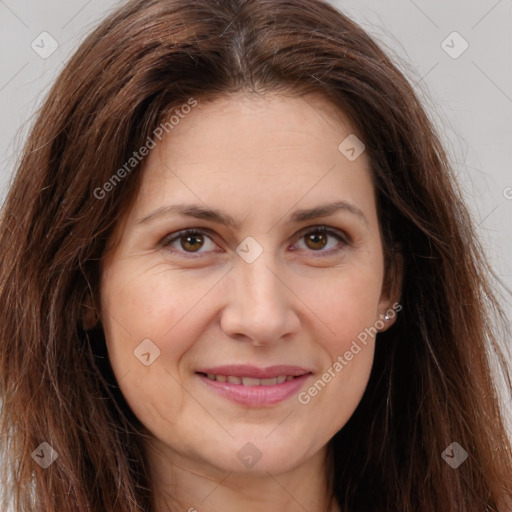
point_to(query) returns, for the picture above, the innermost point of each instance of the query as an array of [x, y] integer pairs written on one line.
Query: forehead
[[256, 159], [239, 123], [242, 137]]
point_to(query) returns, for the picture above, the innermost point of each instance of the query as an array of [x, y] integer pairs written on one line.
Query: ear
[[389, 304], [89, 313]]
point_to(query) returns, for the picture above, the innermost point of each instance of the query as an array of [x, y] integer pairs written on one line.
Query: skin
[[258, 159]]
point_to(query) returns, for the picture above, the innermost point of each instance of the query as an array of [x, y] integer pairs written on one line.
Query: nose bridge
[[260, 282], [260, 305]]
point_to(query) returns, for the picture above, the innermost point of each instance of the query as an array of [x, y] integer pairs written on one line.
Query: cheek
[[152, 302], [157, 312], [348, 308], [347, 305], [335, 393], [350, 314], [147, 330]]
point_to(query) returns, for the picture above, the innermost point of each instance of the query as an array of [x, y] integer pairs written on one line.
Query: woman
[[237, 274]]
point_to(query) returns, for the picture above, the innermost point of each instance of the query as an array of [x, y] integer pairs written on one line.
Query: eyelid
[[343, 237], [325, 229]]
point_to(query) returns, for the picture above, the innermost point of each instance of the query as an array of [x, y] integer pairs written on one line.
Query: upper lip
[[253, 371]]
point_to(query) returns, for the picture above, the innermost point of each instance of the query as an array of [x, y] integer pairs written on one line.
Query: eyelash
[[170, 239]]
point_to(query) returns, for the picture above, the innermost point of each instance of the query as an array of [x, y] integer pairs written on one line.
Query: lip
[[256, 396]]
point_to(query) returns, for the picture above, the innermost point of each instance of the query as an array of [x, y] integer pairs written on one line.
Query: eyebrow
[[215, 215]]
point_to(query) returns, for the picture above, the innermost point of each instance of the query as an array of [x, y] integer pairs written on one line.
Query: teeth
[[250, 381]]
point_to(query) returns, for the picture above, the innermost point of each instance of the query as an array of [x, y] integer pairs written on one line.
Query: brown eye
[[316, 240], [322, 240], [192, 243]]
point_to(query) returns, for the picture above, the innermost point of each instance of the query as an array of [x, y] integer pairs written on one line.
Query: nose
[[261, 304]]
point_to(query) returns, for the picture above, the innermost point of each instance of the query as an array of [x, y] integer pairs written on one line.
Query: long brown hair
[[431, 383]]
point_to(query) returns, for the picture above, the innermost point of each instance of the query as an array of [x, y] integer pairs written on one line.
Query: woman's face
[[281, 280]]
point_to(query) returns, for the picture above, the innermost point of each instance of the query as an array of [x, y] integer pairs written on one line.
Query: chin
[[261, 453]]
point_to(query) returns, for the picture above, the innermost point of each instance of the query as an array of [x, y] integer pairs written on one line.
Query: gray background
[[469, 97]]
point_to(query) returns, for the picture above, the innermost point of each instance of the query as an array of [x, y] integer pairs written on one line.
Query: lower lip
[[256, 396]]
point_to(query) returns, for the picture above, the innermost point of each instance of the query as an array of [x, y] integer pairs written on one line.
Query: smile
[[250, 381], [254, 387]]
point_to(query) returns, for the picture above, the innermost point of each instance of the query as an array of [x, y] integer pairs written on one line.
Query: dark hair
[[431, 382]]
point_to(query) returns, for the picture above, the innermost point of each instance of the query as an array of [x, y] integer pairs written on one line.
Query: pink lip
[[256, 396]]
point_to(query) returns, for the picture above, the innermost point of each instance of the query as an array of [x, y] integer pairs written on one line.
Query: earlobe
[[390, 306], [389, 317]]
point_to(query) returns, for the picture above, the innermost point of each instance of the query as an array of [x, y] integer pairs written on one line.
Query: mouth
[[252, 386], [248, 381]]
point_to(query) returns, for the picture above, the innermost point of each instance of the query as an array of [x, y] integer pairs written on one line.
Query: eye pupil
[[316, 238], [192, 240]]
